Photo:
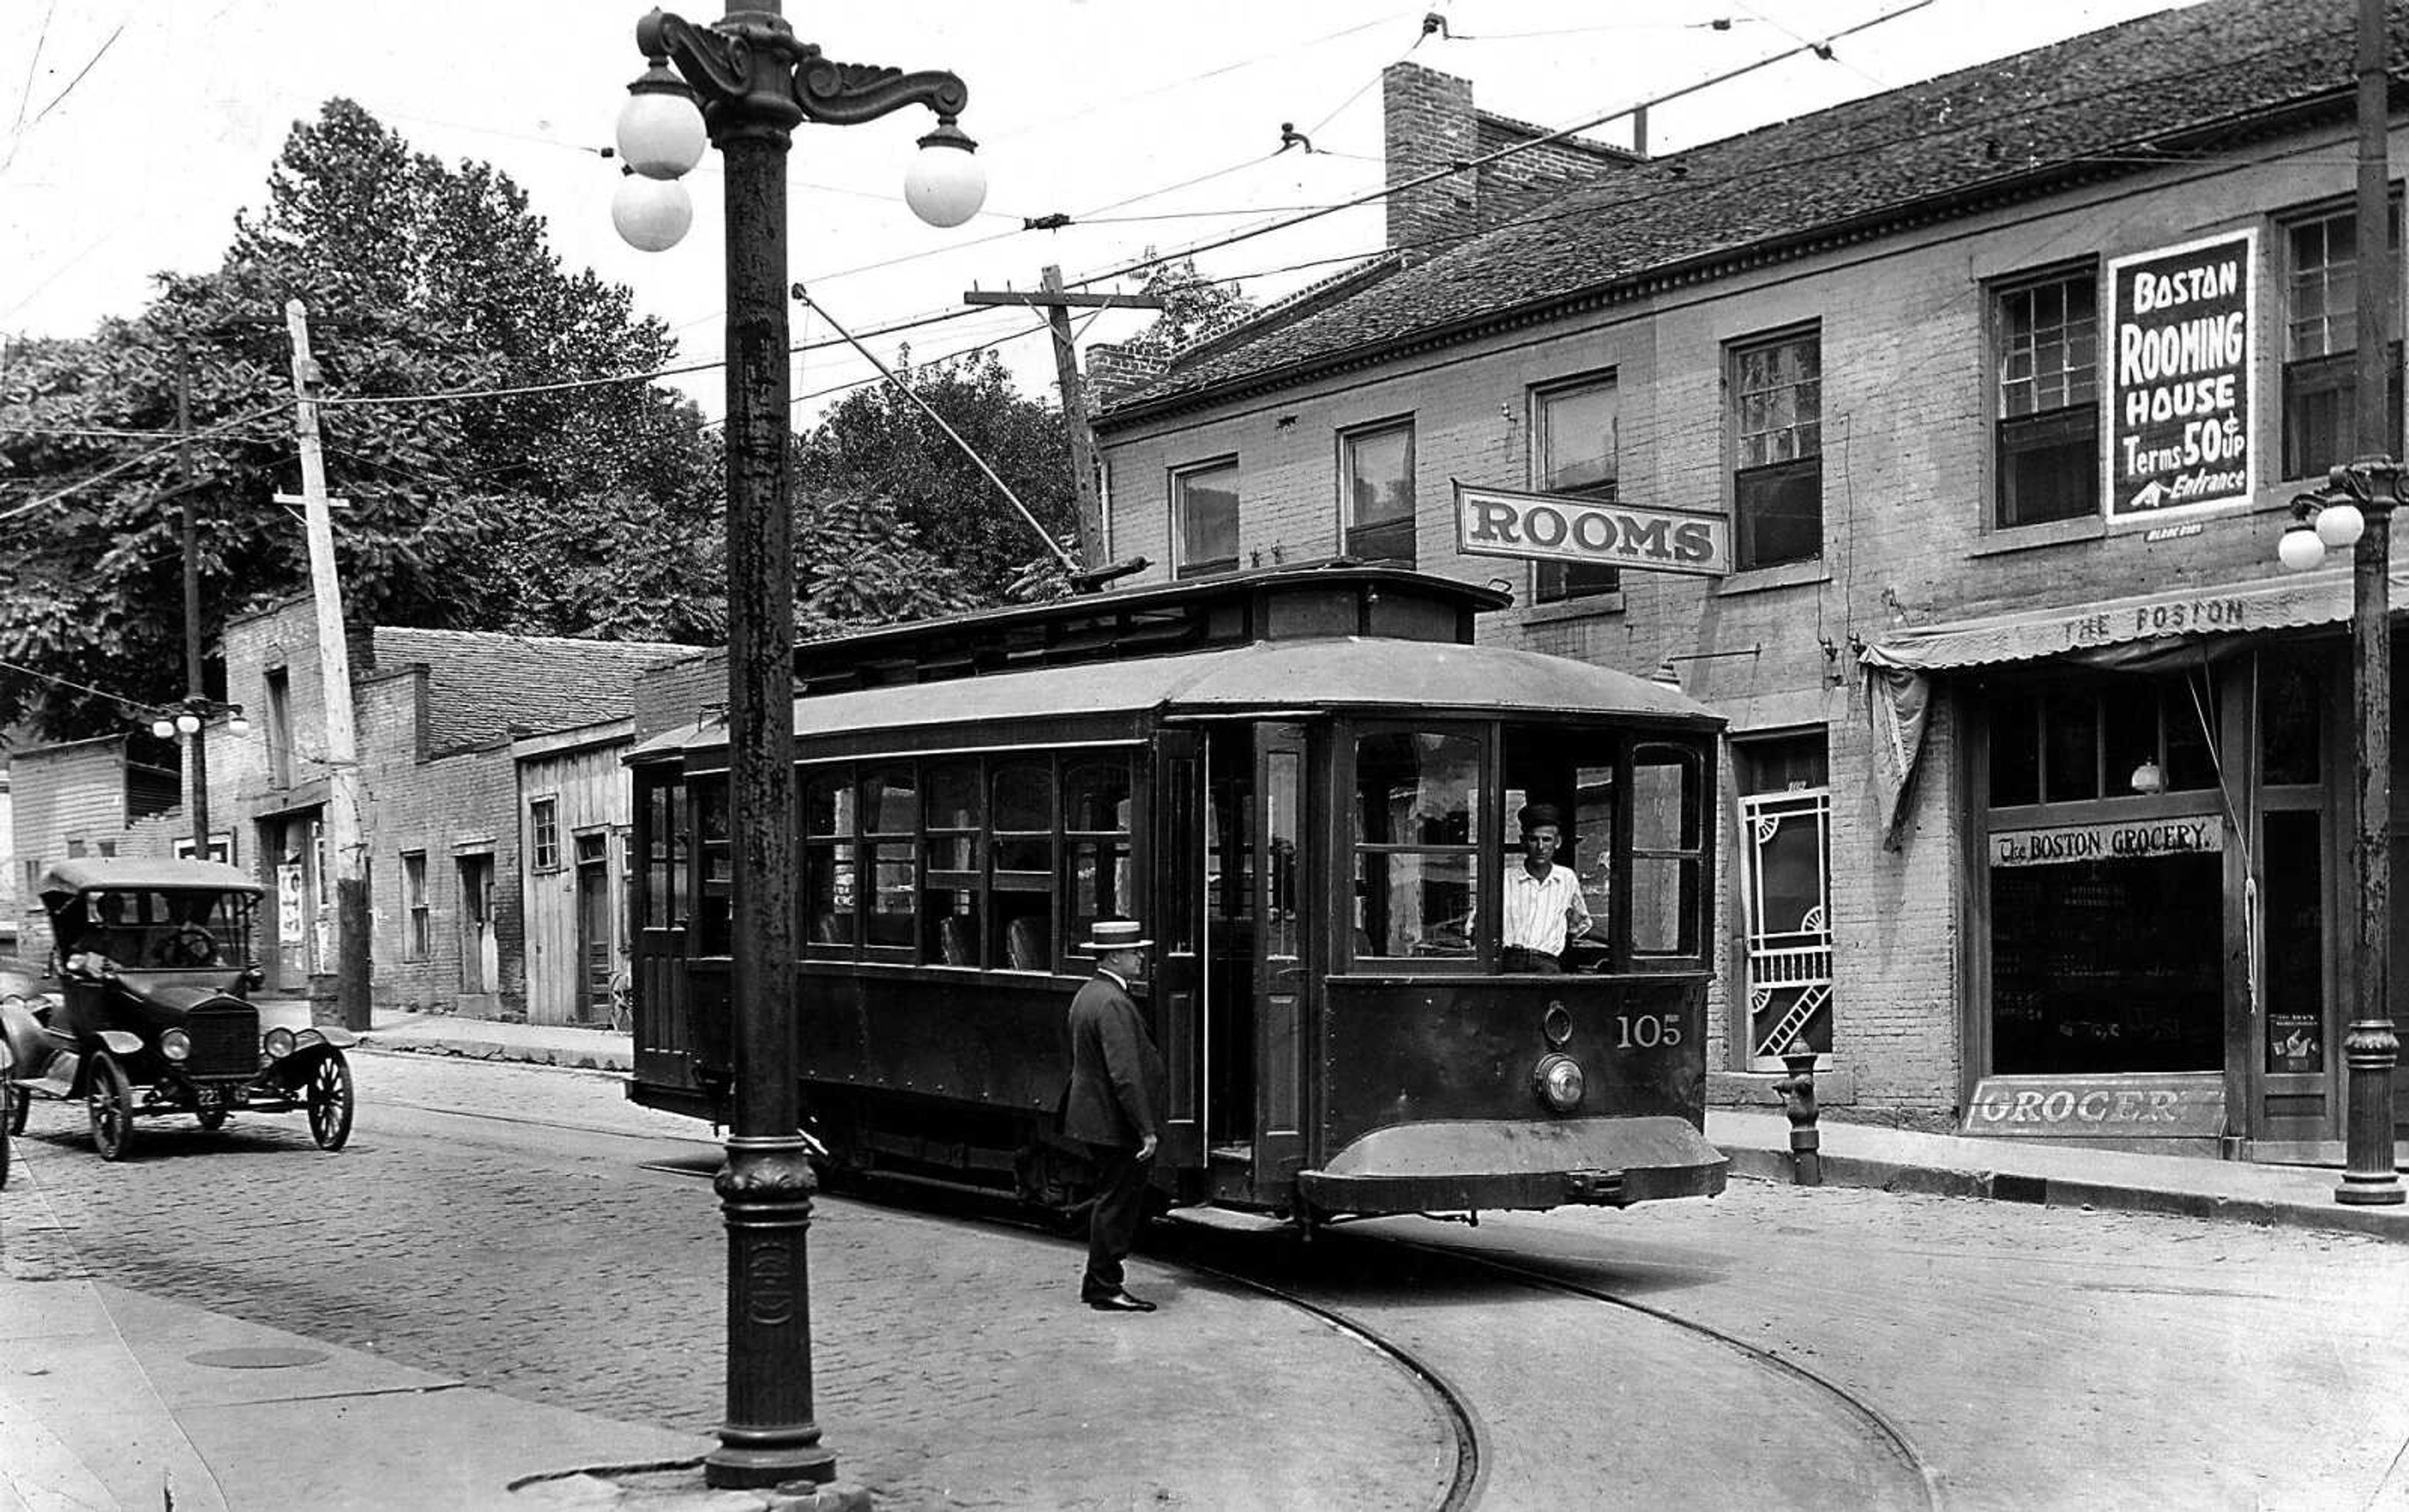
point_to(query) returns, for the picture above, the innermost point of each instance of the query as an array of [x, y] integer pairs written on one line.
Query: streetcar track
[[1879, 1426]]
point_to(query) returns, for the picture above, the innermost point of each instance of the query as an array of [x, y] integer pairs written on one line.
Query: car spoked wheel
[[110, 1105], [330, 1097]]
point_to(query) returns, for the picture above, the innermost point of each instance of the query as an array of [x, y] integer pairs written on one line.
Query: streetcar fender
[[1454, 1165]]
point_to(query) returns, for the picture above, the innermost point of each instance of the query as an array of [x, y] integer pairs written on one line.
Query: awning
[[2285, 603]]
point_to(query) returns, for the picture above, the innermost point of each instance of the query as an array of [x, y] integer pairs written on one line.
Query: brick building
[[1870, 426]]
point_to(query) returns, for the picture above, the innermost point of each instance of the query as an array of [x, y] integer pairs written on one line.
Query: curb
[[470, 1049], [2047, 1191]]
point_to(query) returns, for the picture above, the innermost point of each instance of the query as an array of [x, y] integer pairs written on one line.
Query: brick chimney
[[1427, 122], [1113, 370]]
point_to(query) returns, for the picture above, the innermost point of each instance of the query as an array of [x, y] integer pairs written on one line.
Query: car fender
[[294, 1070], [327, 1034], [20, 1029], [119, 1043]]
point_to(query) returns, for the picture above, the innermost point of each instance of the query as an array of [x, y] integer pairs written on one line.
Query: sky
[[132, 132]]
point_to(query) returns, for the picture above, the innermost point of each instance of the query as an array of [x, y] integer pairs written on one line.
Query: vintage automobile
[[142, 1011]]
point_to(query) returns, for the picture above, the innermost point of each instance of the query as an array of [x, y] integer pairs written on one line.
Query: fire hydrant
[[1798, 1091]]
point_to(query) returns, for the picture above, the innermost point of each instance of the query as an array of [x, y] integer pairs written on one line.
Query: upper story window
[[1776, 389], [543, 834], [2048, 438], [1377, 469], [1205, 518], [2322, 343], [1576, 436]]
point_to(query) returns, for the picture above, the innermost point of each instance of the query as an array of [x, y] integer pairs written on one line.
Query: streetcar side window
[[1096, 839], [890, 812], [950, 884], [831, 891], [1416, 832], [714, 917], [1022, 848]]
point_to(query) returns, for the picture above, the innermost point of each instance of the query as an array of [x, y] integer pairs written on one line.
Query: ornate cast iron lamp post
[[755, 82], [2357, 513]]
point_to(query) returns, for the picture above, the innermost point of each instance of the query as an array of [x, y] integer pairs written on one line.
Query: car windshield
[[149, 927]]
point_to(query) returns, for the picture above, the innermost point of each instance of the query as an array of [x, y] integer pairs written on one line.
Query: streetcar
[[1305, 782]]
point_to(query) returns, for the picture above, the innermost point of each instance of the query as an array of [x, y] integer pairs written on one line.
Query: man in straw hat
[[1114, 1106]]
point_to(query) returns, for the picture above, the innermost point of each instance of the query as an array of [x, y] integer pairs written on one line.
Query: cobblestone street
[[550, 1242]]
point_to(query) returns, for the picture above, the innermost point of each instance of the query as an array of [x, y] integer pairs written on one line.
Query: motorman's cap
[[1118, 934], [1536, 815]]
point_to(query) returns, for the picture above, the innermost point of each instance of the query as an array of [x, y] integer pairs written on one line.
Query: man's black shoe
[[1119, 1301]]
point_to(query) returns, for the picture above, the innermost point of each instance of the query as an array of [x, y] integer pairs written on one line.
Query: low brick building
[[1942, 439]]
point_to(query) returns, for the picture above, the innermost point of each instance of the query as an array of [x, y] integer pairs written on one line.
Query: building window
[[544, 834], [279, 727], [2321, 344], [1576, 438], [1778, 479], [1205, 518], [1378, 468], [417, 941], [2048, 334]]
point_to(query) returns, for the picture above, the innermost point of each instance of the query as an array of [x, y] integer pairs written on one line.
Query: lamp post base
[[2383, 1192], [2369, 1178], [772, 1460]]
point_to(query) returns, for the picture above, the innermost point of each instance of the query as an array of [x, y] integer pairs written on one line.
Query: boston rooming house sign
[[1562, 527], [2180, 391]]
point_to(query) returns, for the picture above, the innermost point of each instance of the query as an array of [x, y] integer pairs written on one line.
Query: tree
[[574, 509], [1194, 308], [877, 444]]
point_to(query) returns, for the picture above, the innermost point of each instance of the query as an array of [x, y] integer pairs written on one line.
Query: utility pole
[[1057, 302], [197, 743], [343, 839]]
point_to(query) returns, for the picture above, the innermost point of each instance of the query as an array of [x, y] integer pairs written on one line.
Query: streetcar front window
[[1417, 827]]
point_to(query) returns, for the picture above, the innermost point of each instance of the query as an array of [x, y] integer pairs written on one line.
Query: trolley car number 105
[[1645, 1032]]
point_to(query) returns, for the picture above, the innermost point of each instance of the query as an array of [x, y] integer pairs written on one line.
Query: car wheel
[[330, 1099], [110, 1105]]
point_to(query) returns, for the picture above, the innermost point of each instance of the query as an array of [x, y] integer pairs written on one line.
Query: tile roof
[[2105, 103], [484, 686]]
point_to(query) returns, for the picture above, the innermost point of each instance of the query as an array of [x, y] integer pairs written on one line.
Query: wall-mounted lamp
[[2149, 778]]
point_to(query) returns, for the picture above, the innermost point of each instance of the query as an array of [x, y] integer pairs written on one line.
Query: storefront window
[[2107, 966]]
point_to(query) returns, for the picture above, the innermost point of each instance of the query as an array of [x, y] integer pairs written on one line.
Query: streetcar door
[[1177, 867], [1283, 897], [663, 1033]]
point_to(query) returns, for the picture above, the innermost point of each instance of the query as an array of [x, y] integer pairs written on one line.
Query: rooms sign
[[1561, 528]]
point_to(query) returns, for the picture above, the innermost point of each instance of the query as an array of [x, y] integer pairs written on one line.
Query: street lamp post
[[2357, 513], [188, 721], [754, 83]]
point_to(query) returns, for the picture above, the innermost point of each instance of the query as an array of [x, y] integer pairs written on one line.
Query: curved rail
[[1878, 1427]]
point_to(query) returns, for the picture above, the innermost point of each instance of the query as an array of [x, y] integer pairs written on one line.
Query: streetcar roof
[[1340, 673]]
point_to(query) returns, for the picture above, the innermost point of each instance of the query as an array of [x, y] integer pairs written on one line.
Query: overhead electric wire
[[1506, 152], [54, 497]]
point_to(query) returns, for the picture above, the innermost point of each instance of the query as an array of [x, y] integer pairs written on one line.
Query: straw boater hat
[[1118, 934]]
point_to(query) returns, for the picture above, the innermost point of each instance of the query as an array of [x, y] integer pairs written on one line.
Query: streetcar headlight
[[279, 1043], [176, 1044], [1560, 1082]]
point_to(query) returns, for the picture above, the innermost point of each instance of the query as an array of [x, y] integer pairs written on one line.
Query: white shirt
[[1535, 908]]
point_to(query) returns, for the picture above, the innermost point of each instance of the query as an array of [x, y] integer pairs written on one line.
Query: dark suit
[[1117, 1093]]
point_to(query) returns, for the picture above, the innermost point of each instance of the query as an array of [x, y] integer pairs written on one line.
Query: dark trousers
[[1112, 1226], [1516, 958]]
